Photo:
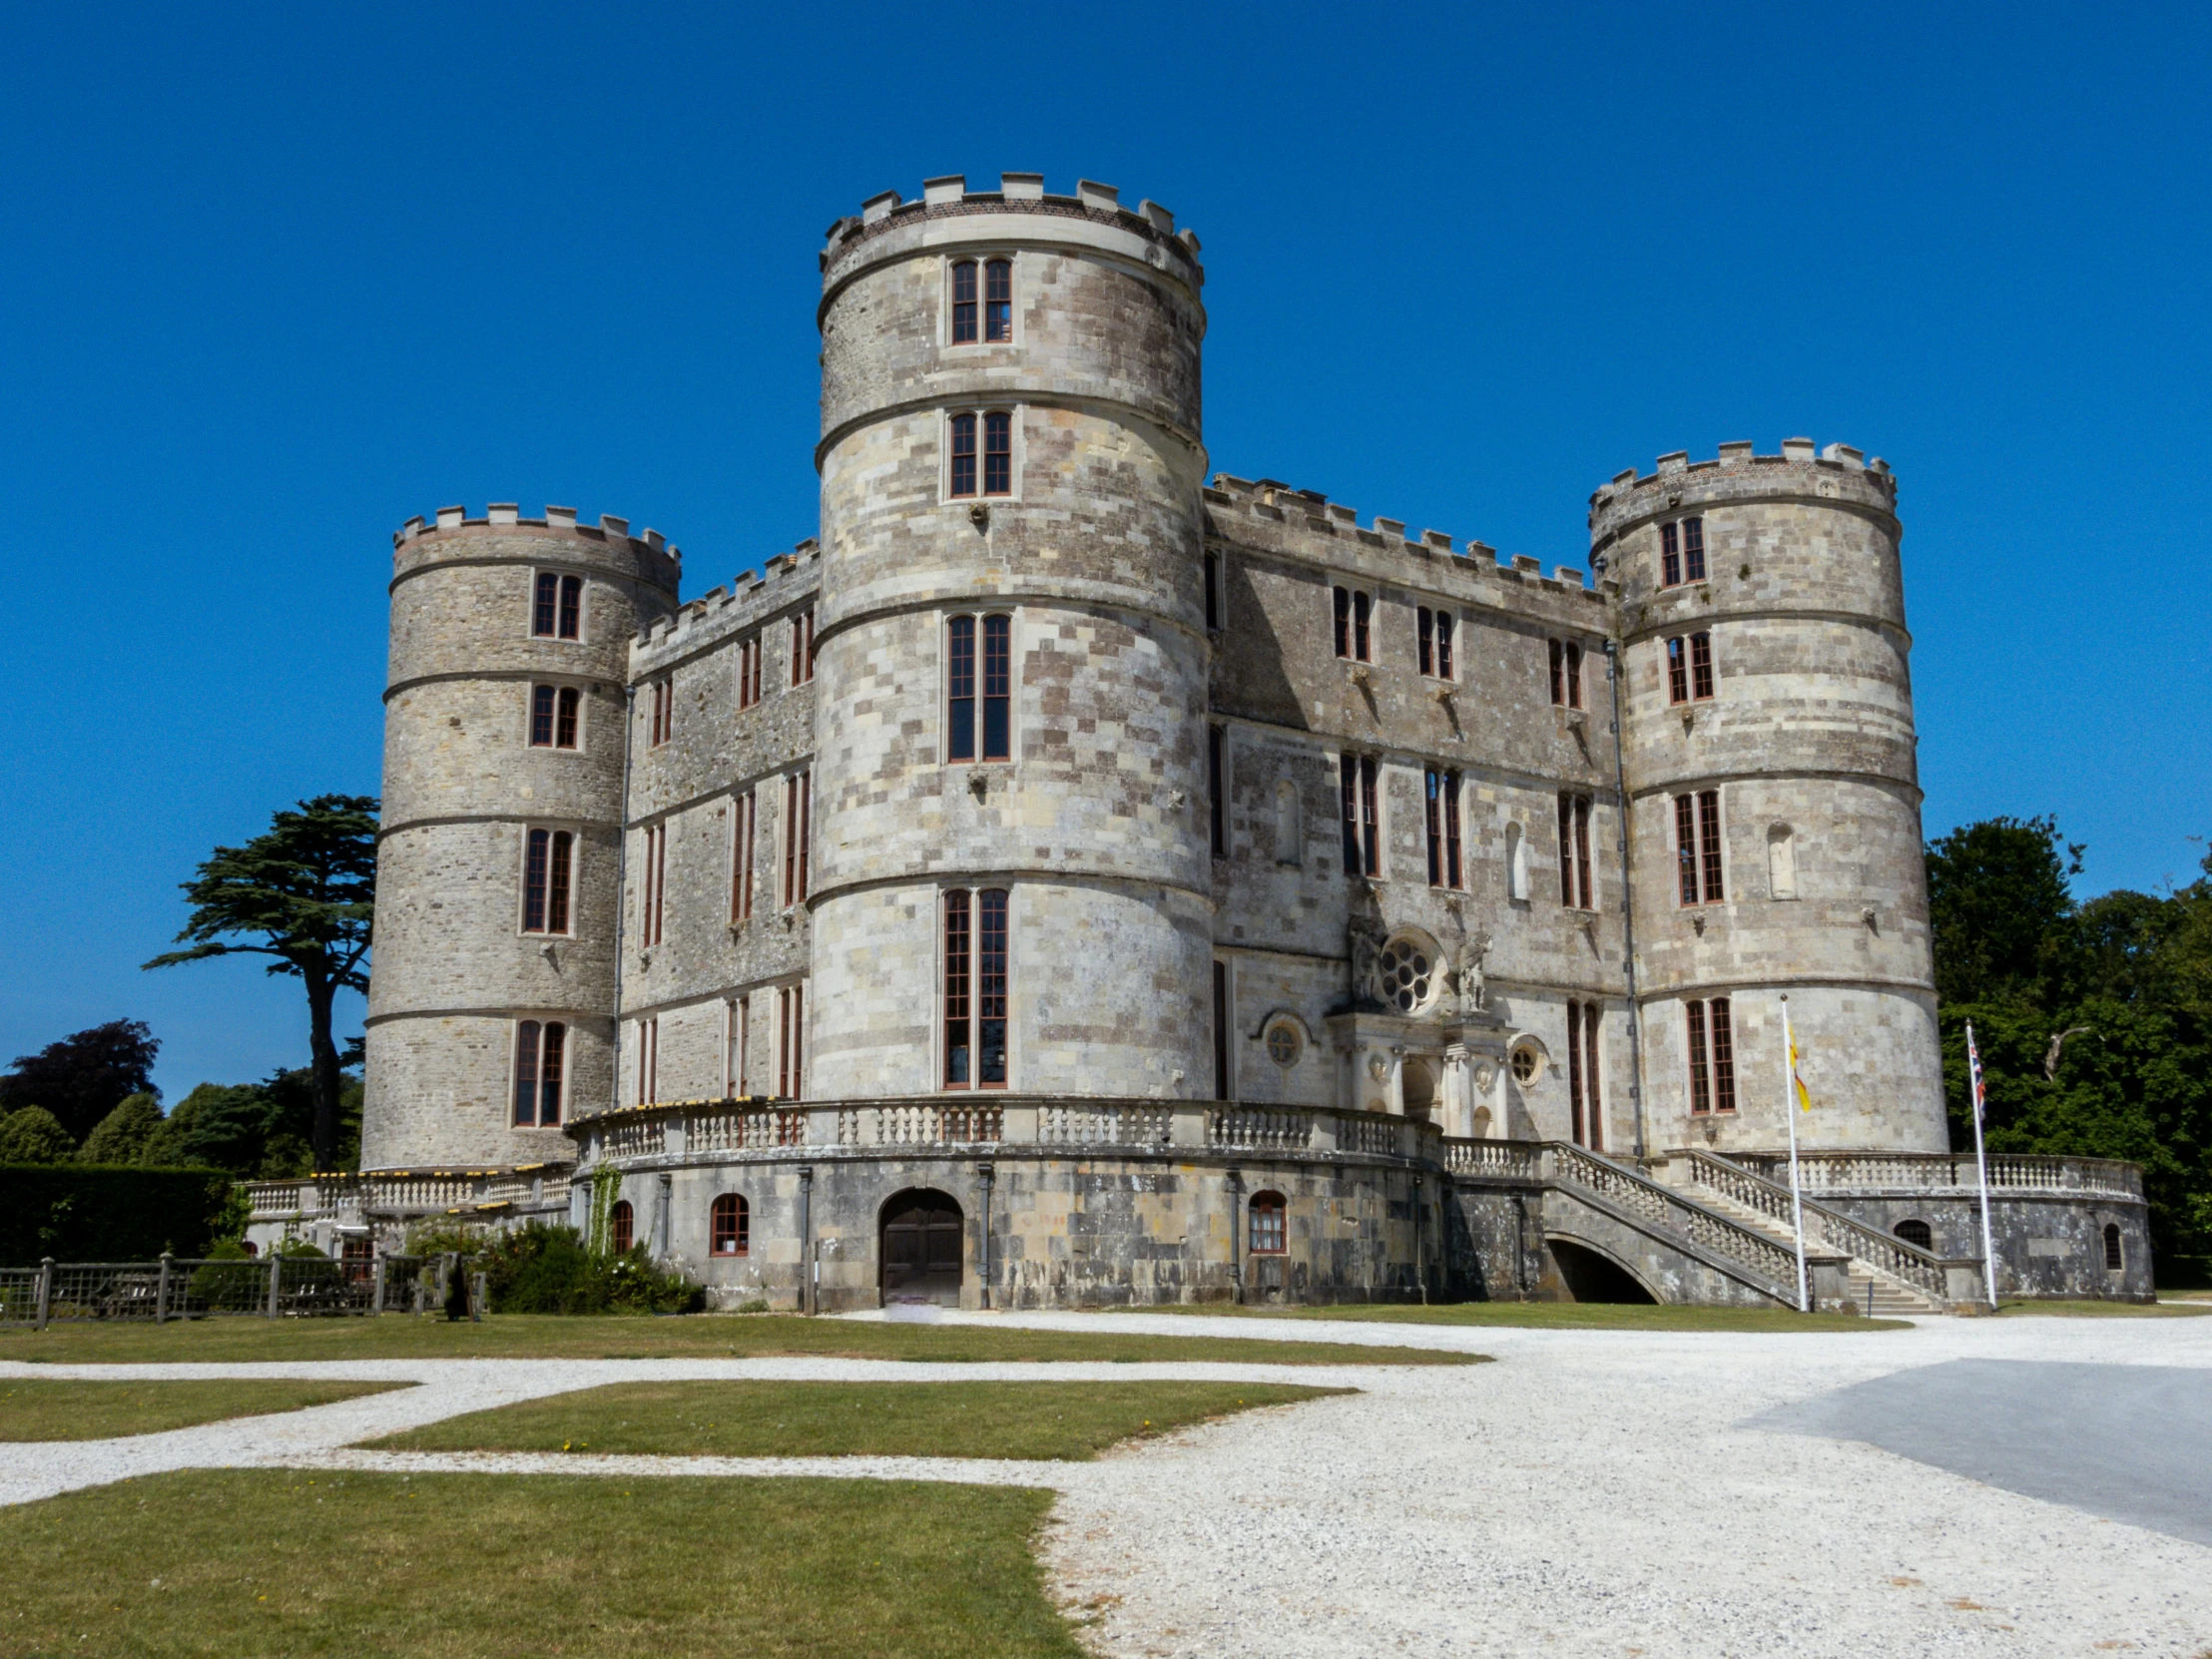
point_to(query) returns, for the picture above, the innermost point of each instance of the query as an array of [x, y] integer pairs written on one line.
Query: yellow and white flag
[[1796, 1082]]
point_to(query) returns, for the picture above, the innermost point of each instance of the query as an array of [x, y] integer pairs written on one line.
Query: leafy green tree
[[85, 1076], [120, 1136], [304, 894], [1997, 901], [34, 1136]]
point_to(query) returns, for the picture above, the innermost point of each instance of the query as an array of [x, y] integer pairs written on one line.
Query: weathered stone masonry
[[1233, 1067]]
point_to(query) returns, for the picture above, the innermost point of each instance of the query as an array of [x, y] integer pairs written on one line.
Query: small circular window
[[1526, 1063], [1284, 1043], [1404, 973]]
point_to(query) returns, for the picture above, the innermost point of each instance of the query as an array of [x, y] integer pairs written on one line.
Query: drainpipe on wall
[[1420, 1241], [809, 1264], [622, 881], [1236, 1234], [1628, 901]]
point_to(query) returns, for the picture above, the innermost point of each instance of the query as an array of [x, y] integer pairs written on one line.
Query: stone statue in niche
[[1474, 994], [1367, 940]]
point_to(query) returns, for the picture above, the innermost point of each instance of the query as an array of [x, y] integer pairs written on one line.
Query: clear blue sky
[[278, 278]]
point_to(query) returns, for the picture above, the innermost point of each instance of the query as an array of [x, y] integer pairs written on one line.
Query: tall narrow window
[[999, 682], [1290, 836], [655, 882], [1442, 792], [661, 718], [790, 1041], [541, 717], [1213, 591], [1709, 842], [803, 646], [1362, 819], [622, 1222], [547, 880], [572, 607], [564, 717], [1426, 634], [1701, 1074], [541, 1057], [1670, 556], [545, 611], [964, 454], [1342, 604], [959, 687], [976, 989], [1697, 847], [2116, 1255], [730, 1226], [1575, 886], [1678, 671], [744, 827], [1361, 610], [998, 300], [748, 671], [1217, 742], [1701, 666], [1443, 645], [1682, 552], [1558, 673], [958, 1045], [1575, 675], [1594, 1112], [1693, 550], [1349, 767], [1577, 1129], [998, 454], [742, 1047], [1724, 1056], [1220, 1031], [648, 1062], [798, 820], [964, 303]]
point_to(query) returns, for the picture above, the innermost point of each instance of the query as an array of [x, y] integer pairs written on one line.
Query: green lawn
[[1065, 1421], [275, 1563], [536, 1337], [2090, 1310], [62, 1408], [1558, 1315]]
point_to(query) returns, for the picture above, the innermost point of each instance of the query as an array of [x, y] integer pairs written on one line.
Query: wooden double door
[[921, 1248]]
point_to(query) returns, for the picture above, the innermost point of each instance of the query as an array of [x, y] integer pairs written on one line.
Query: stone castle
[[1078, 878]]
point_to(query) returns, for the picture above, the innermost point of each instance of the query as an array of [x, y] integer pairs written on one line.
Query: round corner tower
[[1769, 750], [1012, 887], [492, 1001]]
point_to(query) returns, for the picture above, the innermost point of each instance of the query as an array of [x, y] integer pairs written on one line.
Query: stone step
[[1890, 1297]]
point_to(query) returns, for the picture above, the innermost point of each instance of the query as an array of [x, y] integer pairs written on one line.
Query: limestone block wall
[[1807, 739], [1094, 823], [714, 967], [454, 968]]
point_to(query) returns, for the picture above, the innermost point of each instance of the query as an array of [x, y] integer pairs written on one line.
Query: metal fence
[[273, 1286]]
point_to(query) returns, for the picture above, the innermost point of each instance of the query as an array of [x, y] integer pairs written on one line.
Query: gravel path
[[1594, 1493]]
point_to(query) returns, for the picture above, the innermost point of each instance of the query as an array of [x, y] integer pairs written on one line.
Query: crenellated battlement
[[504, 515], [751, 596], [1019, 193], [1835, 472]]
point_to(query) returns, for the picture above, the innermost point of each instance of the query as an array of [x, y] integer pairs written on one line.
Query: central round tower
[[1013, 885]]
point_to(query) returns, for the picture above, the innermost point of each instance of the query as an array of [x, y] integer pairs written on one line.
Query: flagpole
[[1982, 1162], [1789, 1110]]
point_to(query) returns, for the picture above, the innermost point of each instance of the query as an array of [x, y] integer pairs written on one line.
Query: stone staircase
[[1886, 1276]]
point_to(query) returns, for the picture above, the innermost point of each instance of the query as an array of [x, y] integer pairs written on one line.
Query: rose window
[[1405, 971], [1284, 1044]]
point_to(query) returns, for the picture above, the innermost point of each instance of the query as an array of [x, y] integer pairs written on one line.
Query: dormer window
[[996, 305]]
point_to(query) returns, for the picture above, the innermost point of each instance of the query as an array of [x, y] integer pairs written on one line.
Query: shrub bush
[[537, 1269], [83, 1213]]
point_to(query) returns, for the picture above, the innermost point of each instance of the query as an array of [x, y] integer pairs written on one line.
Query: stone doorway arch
[[921, 1247]]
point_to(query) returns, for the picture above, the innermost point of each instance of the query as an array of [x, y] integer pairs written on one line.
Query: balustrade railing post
[[45, 1290]]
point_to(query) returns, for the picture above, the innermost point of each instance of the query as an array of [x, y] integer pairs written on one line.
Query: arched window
[[541, 1062], [2115, 1258], [1269, 1229], [1917, 1234], [730, 1232], [624, 1219]]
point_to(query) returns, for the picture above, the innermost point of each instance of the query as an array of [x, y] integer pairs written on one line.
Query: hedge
[[88, 1213]]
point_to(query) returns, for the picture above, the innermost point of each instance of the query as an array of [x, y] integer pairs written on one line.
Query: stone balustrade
[[1867, 1172], [356, 1197]]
